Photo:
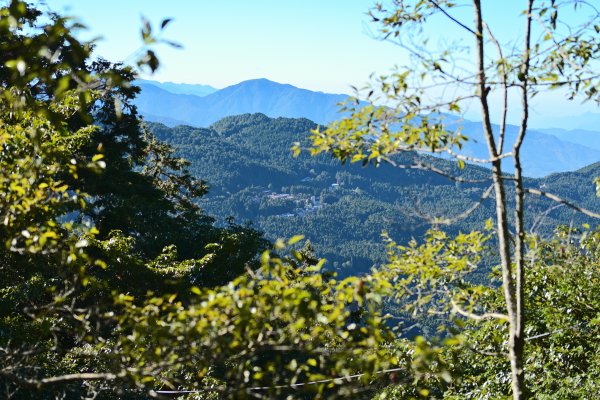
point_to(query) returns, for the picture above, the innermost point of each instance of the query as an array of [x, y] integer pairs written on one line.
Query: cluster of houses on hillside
[[304, 204], [279, 196]]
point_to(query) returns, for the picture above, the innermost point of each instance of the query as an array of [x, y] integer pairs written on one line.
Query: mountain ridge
[[256, 95], [560, 152], [180, 88], [585, 137], [588, 121], [342, 210]]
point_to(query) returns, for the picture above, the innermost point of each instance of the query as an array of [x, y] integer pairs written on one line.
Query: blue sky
[[316, 44], [324, 45]]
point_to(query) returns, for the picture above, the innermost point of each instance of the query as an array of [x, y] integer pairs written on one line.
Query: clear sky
[[316, 44], [324, 45]]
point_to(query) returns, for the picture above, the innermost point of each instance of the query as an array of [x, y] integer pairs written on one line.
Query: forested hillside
[[253, 176]]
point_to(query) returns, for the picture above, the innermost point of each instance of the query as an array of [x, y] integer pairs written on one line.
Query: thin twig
[[563, 201], [428, 167], [477, 317], [451, 17], [503, 80]]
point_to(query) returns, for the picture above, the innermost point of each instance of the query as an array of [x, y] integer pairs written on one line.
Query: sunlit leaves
[[561, 328], [259, 320], [372, 134], [435, 274], [33, 195]]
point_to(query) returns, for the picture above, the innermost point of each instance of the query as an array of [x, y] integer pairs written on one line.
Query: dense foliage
[[115, 284], [112, 277], [562, 324]]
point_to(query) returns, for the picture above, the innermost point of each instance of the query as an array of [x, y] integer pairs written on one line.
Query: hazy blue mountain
[[257, 95], [580, 136], [180, 88], [163, 120], [587, 121], [542, 153]]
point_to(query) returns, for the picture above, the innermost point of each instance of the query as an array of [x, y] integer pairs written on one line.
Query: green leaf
[[295, 239], [196, 290], [165, 22]]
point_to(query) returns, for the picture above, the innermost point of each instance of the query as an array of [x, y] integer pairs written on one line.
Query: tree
[[138, 307], [412, 119], [561, 322], [561, 330]]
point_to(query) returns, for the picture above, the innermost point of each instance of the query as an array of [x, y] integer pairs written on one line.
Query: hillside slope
[[253, 177]]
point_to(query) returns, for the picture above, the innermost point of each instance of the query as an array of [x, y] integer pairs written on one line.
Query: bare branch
[[477, 160], [451, 220], [474, 207], [338, 379], [563, 201], [511, 295], [503, 80], [428, 167], [477, 317], [541, 335], [451, 17], [419, 55], [539, 219], [487, 353], [39, 383]]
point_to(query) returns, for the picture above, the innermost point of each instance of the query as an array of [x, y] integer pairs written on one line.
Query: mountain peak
[[262, 83], [252, 96], [260, 80], [269, 84]]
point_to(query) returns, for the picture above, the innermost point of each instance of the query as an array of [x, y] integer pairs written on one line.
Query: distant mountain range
[[583, 137], [253, 96], [180, 88], [588, 121], [544, 151]]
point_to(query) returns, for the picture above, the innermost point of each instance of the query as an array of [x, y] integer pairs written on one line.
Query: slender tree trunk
[[517, 339], [512, 298]]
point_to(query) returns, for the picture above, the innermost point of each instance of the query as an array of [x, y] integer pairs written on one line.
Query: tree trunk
[[513, 297], [517, 337]]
